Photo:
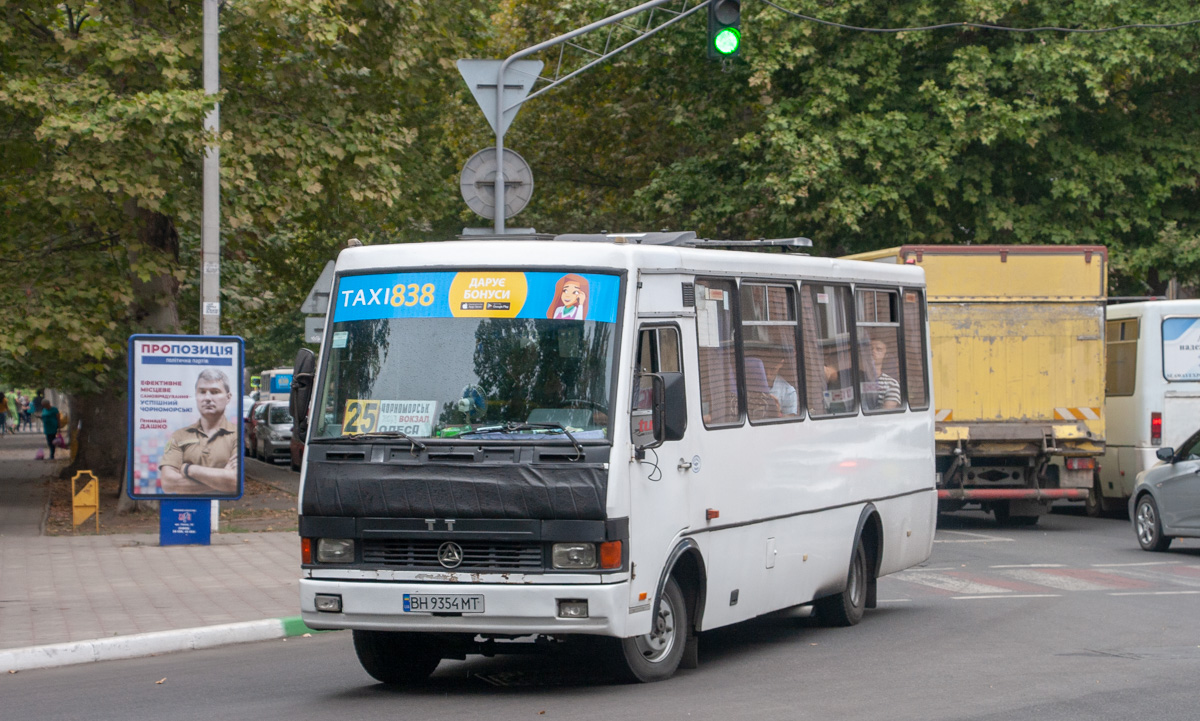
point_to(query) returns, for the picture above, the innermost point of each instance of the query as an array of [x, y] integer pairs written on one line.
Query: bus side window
[[1121, 338], [878, 326], [828, 350], [658, 352], [769, 348], [716, 336], [914, 350]]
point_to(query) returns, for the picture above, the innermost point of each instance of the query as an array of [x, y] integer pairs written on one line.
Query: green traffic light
[[726, 42]]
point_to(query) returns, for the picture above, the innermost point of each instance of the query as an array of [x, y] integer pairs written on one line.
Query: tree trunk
[[155, 305], [99, 422]]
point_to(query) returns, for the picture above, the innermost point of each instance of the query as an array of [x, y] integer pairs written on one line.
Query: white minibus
[[622, 440], [1152, 391]]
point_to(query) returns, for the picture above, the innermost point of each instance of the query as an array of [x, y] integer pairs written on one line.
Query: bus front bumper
[[508, 609]]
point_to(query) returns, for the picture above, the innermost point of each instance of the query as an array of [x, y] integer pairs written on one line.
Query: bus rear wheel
[[846, 608], [396, 659], [655, 656]]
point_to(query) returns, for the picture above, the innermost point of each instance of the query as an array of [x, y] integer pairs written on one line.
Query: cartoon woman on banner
[[570, 298]]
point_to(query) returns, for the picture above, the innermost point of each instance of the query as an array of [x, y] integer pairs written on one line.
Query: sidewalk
[[75, 590]]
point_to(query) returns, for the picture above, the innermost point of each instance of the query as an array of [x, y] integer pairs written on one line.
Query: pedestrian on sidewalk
[[3, 413], [37, 404], [49, 424], [24, 416]]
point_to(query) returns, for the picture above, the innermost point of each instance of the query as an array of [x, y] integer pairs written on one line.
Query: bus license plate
[[442, 603]]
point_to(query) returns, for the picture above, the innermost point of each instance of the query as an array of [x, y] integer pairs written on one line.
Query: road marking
[[1155, 593], [975, 538], [1049, 579], [949, 583], [1009, 595], [894, 600], [1128, 565], [1032, 565]]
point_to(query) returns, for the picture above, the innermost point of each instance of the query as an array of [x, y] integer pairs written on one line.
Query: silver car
[[1166, 498], [273, 433]]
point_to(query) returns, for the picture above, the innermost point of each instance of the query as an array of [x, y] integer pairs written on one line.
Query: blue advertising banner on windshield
[[478, 294], [185, 422], [1181, 349]]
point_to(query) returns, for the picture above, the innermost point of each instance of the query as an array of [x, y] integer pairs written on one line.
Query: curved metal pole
[[501, 128]]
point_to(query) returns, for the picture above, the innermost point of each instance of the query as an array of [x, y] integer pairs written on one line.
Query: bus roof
[[616, 256]]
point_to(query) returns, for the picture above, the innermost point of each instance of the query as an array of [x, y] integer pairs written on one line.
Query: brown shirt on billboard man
[[202, 459]]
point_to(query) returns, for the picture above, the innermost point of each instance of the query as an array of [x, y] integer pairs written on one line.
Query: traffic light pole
[[564, 38]]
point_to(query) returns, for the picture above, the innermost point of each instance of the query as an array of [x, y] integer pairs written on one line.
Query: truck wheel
[[1148, 526], [846, 608], [656, 655], [396, 659]]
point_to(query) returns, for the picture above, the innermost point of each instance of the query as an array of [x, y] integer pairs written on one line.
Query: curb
[[149, 644]]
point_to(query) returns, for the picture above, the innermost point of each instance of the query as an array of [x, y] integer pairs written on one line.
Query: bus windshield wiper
[[514, 426], [350, 437]]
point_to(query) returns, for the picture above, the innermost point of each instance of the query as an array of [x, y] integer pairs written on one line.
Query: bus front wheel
[[396, 659], [846, 608], [656, 655]]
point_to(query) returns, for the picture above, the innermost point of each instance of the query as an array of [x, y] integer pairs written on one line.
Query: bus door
[[660, 482]]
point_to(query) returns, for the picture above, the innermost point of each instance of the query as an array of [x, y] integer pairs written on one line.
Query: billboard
[[185, 417]]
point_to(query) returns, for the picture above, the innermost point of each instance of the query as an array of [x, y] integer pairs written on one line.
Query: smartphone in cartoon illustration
[[570, 298]]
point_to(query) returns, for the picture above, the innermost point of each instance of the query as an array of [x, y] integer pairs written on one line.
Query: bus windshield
[[478, 355]]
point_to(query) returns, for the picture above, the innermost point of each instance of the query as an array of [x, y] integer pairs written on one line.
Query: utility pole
[[210, 223], [210, 226], [501, 107]]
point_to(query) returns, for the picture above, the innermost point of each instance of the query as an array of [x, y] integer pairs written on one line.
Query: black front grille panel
[[483, 556]]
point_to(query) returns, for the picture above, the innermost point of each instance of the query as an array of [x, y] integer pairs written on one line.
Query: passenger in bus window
[[781, 389], [887, 387]]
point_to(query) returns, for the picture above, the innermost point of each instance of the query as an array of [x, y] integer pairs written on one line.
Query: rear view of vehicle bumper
[[1008, 494]]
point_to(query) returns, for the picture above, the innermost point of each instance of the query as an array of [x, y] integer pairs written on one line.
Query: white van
[[1152, 391]]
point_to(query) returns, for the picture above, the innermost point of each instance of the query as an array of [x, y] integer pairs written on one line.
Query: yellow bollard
[[87, 501]]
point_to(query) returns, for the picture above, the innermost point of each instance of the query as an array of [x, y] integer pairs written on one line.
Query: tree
[[323, 106], [863, 140]]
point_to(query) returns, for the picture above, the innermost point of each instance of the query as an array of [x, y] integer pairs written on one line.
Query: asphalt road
[[1067, 620]]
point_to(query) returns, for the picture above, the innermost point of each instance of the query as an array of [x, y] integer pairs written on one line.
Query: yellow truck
[[1017, 335]]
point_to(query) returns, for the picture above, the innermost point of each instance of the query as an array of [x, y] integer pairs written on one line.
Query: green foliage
[[863, 141], [328, 130]]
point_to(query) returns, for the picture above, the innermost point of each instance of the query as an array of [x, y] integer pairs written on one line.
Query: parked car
[[251, 423], [1166, 498], [273, 432]]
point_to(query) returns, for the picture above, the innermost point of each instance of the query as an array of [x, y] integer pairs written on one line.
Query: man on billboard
[[202, 458]]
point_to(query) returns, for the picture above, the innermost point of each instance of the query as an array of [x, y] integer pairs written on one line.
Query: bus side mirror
[[301, 393], [1165, 454], [659, 410], [675, 406]]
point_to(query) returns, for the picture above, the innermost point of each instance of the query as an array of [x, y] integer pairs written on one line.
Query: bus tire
[[395, 659], [846, 608], [656, 655]]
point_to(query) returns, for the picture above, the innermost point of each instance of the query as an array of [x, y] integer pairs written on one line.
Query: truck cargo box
[[1017, 338]]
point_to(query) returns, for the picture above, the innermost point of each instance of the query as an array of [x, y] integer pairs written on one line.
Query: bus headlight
[[335, 550], [573, 555]]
